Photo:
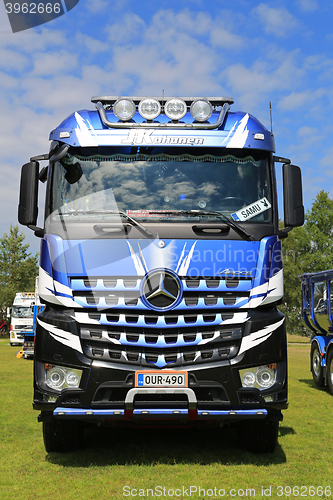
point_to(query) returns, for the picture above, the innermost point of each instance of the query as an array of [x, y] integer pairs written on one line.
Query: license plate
[[160, 379]]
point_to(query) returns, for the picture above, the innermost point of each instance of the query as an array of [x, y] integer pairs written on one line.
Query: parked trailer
[[317, 312], [161, 270]]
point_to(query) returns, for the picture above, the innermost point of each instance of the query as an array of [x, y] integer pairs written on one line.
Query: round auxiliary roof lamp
[[175, 109], [149, 108], [201, 110], [124, 109]]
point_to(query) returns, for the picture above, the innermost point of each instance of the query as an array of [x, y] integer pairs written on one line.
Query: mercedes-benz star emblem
[[161, 290]]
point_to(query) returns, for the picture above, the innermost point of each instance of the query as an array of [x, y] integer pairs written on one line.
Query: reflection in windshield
[[22, 312], [147, 185]]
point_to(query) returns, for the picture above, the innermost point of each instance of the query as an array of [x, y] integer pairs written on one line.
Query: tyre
[[329, 371], [62, 435], [259, 436], [316, 366]]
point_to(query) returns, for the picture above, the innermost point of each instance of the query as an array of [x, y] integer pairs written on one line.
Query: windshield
[[163, 184], [22, 312]]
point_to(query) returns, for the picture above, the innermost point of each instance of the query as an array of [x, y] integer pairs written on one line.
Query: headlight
[[59, 377], [201, 110], [149, 108], [175, 108], [261, 377], [266, 377], [124, 109]]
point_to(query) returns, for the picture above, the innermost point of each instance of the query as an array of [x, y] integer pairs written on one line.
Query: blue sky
[[254, 51]]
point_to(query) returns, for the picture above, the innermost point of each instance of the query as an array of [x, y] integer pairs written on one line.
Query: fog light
[[72, 379], [149, 108], [201, 110], [175, 109], [271, 398], [124, 109], [248, 379]]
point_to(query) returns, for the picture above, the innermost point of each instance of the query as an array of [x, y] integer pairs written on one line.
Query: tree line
[[306, 249], [18, 268]]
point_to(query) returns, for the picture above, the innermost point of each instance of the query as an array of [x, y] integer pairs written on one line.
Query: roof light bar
[[201, 109]]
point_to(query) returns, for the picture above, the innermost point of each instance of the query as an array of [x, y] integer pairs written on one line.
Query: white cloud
[[276, 21], [221, 37], [308, 5], [129, 27], [92, 45], [265, 80], [307, 131], [327, 160], [58, 63], [95, 6], [295, 100]]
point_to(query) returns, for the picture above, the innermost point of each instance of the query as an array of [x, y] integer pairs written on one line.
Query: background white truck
[[21, 316]]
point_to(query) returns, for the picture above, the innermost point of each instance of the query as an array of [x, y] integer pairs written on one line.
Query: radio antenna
[[163, 99], [270, 112]]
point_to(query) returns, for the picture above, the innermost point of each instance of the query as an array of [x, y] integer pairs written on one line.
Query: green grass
[[173, 459], [298, 339]]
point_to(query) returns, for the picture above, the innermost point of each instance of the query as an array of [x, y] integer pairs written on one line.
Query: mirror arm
[[39, 231], [283, 233], [40, 157]]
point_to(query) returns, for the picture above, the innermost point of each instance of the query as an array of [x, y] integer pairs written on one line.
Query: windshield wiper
[[219, 215], [112, 212]]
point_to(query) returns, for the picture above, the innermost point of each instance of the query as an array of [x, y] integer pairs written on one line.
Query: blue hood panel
[[101, 258]]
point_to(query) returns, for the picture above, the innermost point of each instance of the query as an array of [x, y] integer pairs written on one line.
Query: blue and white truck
[[317, 312], [160, 269]]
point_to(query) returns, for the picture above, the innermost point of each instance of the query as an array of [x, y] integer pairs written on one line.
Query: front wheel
[[316, 366], [329, 371], [62, 435]]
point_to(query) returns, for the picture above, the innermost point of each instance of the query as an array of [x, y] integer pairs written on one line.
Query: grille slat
[[150, 321], [151, 358], [216, 301]]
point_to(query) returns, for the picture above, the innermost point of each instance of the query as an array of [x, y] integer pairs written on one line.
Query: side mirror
[[28, 205], [293, 197]]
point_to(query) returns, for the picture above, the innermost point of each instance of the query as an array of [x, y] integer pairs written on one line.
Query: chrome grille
[[116, 326]]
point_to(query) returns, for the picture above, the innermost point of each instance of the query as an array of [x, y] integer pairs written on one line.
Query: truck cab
[[160, 269]]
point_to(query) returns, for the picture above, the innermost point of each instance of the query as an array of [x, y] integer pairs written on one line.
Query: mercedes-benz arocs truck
[[160, 269]]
